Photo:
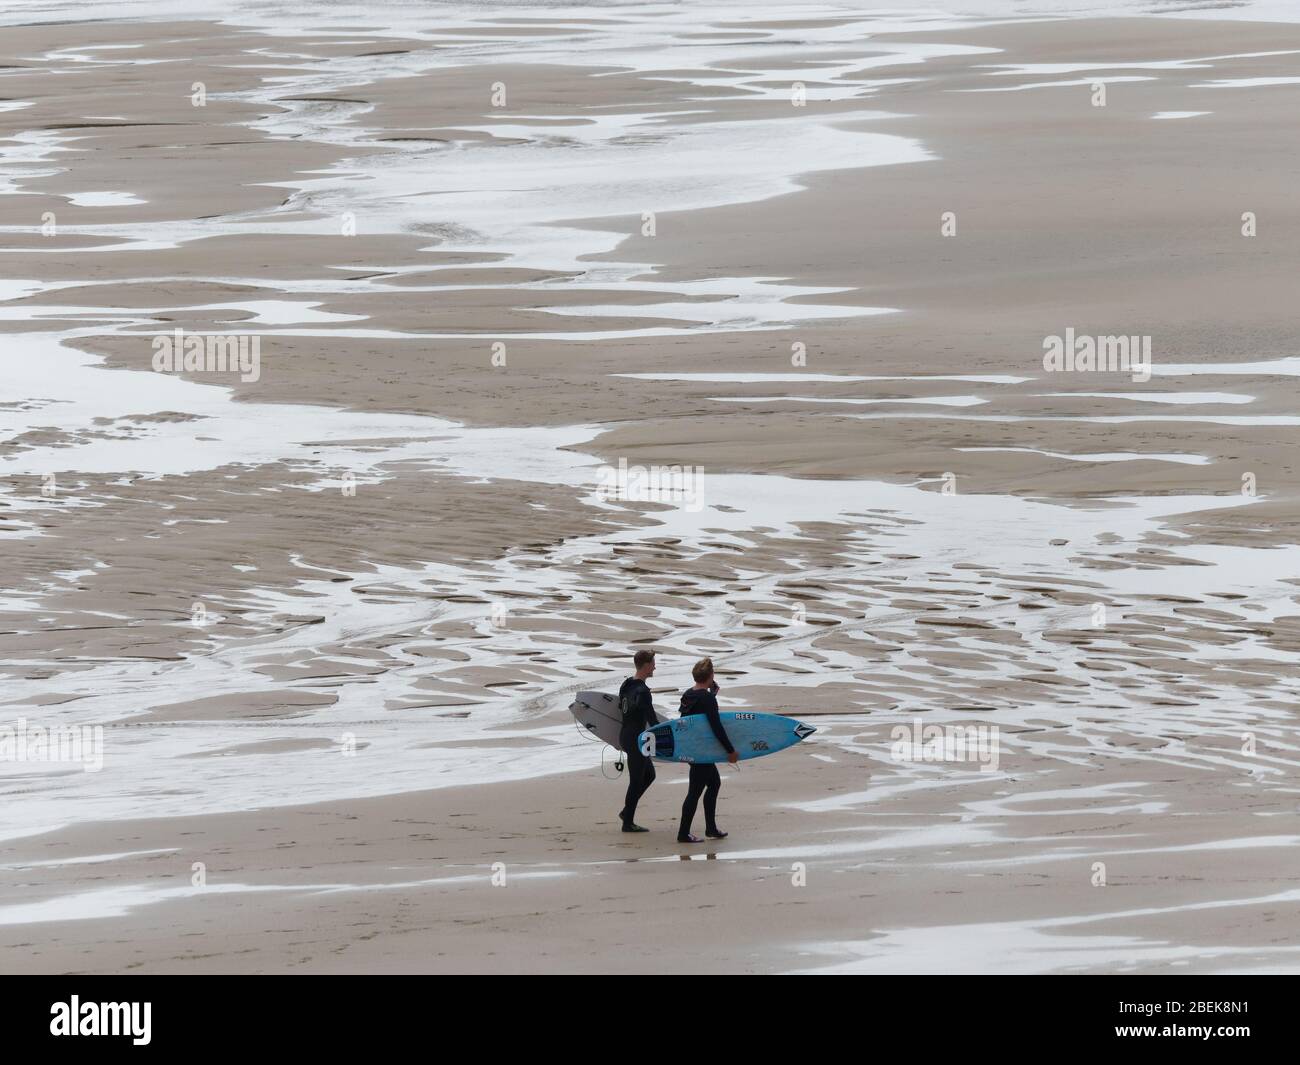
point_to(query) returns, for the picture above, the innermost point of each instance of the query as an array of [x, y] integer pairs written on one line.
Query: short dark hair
[[643, 658], [702, 670]]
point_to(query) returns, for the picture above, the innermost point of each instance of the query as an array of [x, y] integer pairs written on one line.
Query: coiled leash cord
[[618, 762]]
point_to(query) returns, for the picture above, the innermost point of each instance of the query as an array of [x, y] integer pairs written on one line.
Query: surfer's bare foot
[[715, 833], [689, 839], [633, 828]]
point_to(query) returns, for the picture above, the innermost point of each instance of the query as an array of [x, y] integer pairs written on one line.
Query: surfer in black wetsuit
[[705, 779], [638, 712]]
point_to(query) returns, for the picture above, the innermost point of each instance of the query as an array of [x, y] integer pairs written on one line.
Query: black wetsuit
[[704, 779], [638, 715]]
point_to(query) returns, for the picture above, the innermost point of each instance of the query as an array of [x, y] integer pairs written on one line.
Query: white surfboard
[[598, 713]]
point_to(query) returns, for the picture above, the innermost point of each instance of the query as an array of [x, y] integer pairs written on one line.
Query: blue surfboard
[[690, 739]]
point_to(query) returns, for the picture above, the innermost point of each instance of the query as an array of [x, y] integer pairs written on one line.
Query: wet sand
[[829, 865], [437, 618]]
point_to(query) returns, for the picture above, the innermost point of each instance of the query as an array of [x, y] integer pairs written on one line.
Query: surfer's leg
[[645, 777], [633, 786], [640, 775], [632, 758], [711, 788], [694, 787]]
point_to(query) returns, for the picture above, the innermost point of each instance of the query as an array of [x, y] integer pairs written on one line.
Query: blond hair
[[702, 670]]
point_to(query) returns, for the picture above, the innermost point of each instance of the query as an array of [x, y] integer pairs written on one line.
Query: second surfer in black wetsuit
[[704, 779], [638, 712]]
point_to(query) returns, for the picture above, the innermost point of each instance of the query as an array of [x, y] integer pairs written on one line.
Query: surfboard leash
[[618, 764], [587, 734]]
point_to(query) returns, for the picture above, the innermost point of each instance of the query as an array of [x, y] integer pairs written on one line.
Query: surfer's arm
[[715, 723], [649, 709]]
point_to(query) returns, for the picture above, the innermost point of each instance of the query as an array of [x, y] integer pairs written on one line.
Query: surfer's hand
[[733, 757]]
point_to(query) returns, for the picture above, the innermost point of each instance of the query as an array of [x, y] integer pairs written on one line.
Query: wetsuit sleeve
[[715, 723], [650, 717]]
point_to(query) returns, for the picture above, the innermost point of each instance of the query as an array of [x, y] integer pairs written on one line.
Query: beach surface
[[715, 329]]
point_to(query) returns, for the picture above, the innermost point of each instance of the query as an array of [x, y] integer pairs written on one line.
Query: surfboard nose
[[803, 731]]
